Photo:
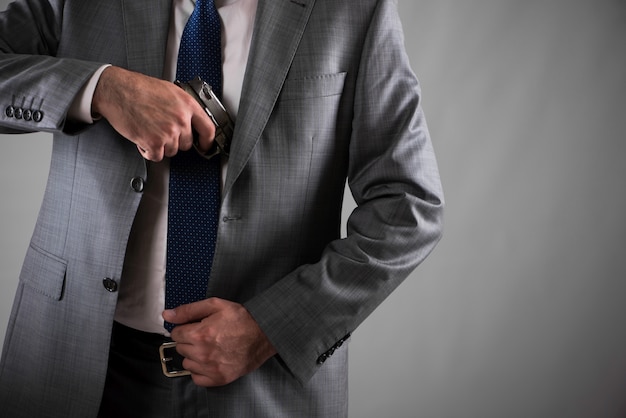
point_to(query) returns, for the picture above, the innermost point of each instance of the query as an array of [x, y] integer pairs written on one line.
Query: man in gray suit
[[322, 91]]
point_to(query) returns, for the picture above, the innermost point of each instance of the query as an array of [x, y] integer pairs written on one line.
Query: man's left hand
[[219, 340]]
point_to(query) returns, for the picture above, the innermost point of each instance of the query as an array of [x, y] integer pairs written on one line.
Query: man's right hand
[[154, 114]]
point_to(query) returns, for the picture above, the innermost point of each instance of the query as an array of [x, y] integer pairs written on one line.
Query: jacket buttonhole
[[231, 218]]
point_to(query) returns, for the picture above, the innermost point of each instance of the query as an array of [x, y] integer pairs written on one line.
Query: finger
[[204, 127], [209, 381], [204, 381], [151, 155], [208, 375], [185, 140], [171, 147]]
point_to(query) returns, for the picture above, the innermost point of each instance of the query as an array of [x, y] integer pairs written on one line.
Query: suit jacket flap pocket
[[44, 272]]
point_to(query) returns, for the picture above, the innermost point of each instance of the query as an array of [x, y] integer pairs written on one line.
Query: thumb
[[191, 312]]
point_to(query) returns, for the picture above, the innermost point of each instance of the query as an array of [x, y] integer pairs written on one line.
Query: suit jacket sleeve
[[33, 78], [394, 179]]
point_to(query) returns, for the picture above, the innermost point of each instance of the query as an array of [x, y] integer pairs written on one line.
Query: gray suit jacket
[[328, 94]]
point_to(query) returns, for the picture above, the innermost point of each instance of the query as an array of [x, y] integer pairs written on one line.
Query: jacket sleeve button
[[10, 111], [110, 285], [37, 116], [28, 114], [19, 112]]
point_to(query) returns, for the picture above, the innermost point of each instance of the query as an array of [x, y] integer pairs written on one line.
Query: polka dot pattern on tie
[[194, 189], [201, 43], [192, 229]]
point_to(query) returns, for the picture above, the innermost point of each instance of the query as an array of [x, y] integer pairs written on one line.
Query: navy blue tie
[[194, 188]]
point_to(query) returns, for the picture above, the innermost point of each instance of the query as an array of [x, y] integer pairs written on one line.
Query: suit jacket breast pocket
[[44, 273], [307, 108], [311, 86]]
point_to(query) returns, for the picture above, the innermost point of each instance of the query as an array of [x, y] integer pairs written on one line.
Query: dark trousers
[[136, 387]]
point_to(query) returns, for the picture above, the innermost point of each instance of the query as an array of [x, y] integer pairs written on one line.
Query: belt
[[147, 343], [171, 361]]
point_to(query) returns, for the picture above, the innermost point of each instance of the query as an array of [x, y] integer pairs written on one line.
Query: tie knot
[[205, 5]]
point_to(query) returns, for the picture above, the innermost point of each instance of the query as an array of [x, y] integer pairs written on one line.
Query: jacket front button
[[110, 285], [137, 184]]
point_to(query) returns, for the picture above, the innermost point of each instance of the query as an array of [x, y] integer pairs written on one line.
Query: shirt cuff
[[80, 110]]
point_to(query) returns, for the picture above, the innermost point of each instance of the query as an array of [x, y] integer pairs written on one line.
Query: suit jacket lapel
[[146, 27], [278, 29]]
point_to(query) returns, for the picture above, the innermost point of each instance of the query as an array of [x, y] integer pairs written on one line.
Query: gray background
[[520, 310]]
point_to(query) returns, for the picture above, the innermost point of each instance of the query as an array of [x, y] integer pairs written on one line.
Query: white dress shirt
[[142, 293]]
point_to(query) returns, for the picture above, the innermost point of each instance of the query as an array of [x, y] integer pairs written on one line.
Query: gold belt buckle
[[171, 361]]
